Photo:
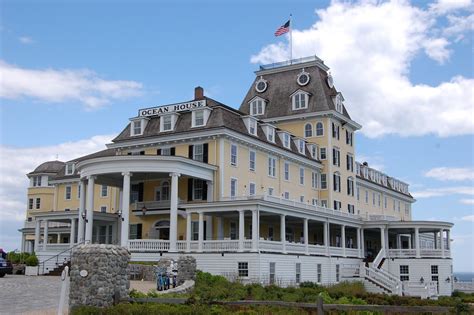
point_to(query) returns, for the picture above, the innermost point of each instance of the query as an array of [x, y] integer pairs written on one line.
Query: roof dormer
[[269, 131], [285, 138], [138, 125], [200, 116], [257, 106], [300, 144], [338, 102], [299, 99], [70, 168], [251, 124], [168, 121]]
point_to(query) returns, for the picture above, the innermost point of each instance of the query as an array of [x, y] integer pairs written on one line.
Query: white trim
[[367, 184], [330, 113]]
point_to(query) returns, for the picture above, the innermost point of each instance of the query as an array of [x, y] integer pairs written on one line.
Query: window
[[301, 175], [335, 131], [301, 146], [350, 209], [339, 103], [358, 193], [337, 205], [350, 162], [38, 203], [366, 196], [407, 208], [398, 205], [300, 101], [308, 130], [233, 187], [350, 186], [393, 204], [167, 122], [272, 273], [252, 160], [198, 118], [68, 193], [319, 273], [286, 140], [404, 273], [314, 180], [198, 189], [302, 199], [385, 202], [298, 273], [324, 203], [165, 191], [319, 129], [137, 127], [195, 230], [373, 198], [314, 202], [198, 152], [378, 199], [324, 182], [286, 171], [69, 170], [270, 191], [252, 189], [252, 127], [271, 166], [337, 182], [136, 153], [104, 191], [233, 230], [270, 134], [30, 203], [256, 107], [233, 154], [322, 153], [349, 137], [434, 269], [243, 268], [314, 151], [336, 157], [103, 209], [338, 273], [166, 151], [36, 181], [286, 195]]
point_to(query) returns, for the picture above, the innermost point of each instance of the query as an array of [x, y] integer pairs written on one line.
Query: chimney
[[198, 93]]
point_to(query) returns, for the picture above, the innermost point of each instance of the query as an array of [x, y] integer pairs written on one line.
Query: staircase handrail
[[384, 279], [59, 254], [379, 257]]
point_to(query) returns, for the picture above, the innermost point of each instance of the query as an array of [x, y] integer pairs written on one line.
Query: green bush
[[32, 261], [17, 258]]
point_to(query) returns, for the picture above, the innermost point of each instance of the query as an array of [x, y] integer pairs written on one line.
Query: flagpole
[[291, 40]]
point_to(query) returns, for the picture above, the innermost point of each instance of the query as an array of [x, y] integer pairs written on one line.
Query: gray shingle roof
[[283, 83], [61, 174], [48, 167]]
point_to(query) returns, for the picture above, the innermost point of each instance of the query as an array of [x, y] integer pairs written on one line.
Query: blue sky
[[72, 75]]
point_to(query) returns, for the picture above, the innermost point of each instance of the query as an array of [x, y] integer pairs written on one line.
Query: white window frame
[[198, 154], [68, 192], [301, 173], [234, 156], [70, 168], [325, 181], [337, 182], [257, 106], [233, 186], [321, 154], [316, 129], [286, 195], [314, 180], [298, 98], [102, 191], [253, 127], [252, 160], [286, 140], [242, 269], [306, 130], [271, 190], [252, 185], [271, 166], [37, 203], [286, 170], [194, 116], [172, 118], [196, 189], [103, 208]]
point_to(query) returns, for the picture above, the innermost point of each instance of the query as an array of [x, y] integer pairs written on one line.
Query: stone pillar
[[82, 208], [45, 237], [201, 231], [362, 243], [124, 231], [283, 232], [241, 230], [73, 232], [343, 240], [417, 242], [220, 228], [90, 208], [305, 236], [174, 211], [255, 230], [37, 235], [441, 245], [188, 231]]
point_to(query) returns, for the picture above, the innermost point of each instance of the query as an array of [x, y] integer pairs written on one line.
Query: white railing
[[296, 248], [181, 246], [352, 252], [380, 217], [401, 253], [335, 251], [148, 245], [317, 249], [270, 246], [351, 270], [424, 290], [378, 258], [247, 244], [434, 253], [32, 224], [54, 247], [221, 246], [150, 205], [383, 279]]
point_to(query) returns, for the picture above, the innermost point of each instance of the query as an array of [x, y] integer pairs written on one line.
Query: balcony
[[32, 225], [424, 252]]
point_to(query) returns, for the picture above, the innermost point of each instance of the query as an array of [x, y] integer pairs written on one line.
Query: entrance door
[[162, 230]]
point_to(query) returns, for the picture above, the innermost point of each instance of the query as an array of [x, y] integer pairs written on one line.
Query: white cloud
[[26, 40], [467, 201], [451, 174], [13, 180], [63, 85], [444, 6], [458, 25], [370, 47], [444, 191], [469, 218]]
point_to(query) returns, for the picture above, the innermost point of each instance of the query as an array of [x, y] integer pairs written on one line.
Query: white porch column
[[107, 232], [37, 235], [417, 242], [174, 211], [210, 191], [45, 236], [201, 231], [255, 230], [343, 239], [58, 238], [399, 241], [124, 228], [220, 228], [82, 207], [188, 231], [382, 239], [362, 243], [409, 242], [441, 239], [305, 235], [358, 242], [283, 232], [73, 232], [114, 233], [208, 227], [89, 208], [435, 240], [448, 239], [326, 236], [241, 230]]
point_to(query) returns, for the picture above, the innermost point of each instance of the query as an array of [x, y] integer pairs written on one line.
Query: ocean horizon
[[464, 276]]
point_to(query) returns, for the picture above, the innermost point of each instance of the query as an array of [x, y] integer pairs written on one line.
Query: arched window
[[160, 230], [308, 130], [319, 129]]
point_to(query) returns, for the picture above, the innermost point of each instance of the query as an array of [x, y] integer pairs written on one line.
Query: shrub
[[32, 261], [17, 258], [346, 288]]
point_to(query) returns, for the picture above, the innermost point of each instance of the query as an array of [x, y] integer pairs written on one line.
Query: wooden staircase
[[59, 269]]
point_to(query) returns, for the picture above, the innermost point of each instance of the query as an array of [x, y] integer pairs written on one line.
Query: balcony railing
[[32, 224], [407, 253]]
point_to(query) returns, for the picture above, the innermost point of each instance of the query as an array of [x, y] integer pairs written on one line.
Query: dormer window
[[313, 149], [251, 124], [138, 126], [269, 132], [199, 117], [300, 100], [286, 140], [257, 106], [301, 145], [69, 168], [338, 102], [167, 122]]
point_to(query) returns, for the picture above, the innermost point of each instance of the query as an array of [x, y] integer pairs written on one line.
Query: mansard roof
[[282, 83], [48, 167], [61, 174]]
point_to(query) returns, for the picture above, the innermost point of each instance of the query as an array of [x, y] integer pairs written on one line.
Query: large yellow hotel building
[[270, 193]]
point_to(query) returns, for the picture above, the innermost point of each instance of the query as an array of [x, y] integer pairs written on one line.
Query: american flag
[[285, 28]]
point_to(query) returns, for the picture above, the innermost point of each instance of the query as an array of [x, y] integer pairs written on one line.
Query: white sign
[[180, 107]]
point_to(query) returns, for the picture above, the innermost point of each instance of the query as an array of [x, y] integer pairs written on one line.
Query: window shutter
[[204, 190], [190, 151], [140, 192], [190, 189], [173, 151], [158, 152], [139, 231], [205, 149], [334, 182]]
